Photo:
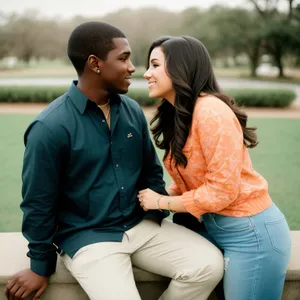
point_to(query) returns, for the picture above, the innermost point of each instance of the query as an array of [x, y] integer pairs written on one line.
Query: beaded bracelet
[[157, 202], [169, 205]]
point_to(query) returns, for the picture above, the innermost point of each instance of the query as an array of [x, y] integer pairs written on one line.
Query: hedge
[[263, 97], [246, 97]]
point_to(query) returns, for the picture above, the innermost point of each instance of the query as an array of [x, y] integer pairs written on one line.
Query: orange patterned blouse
[[219, 177]]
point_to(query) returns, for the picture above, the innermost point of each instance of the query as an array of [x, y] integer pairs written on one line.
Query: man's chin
[[119, 90], [122, 91]]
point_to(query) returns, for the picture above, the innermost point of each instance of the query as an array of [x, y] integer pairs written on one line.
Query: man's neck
[[96, 94]]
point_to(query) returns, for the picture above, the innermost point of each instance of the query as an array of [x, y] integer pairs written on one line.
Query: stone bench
[[64, 287]]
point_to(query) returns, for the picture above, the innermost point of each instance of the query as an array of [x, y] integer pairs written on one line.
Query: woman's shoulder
[[208, 105]]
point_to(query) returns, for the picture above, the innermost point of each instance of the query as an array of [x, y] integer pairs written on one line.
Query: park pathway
[[292, 112], [34, 108]]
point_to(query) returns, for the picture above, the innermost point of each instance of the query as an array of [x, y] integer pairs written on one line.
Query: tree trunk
[[26, 56], [253, 66], [254, 58], [278, 60]]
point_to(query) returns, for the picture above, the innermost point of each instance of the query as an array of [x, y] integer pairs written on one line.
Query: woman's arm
[[172, 192], [152, 200]]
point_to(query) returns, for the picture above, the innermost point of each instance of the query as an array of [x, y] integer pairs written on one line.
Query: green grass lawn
[[276, 157]]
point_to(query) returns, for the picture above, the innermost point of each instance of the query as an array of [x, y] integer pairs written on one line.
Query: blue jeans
[[256, 253]]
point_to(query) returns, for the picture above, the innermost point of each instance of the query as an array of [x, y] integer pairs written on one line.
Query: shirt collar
[[80, 100], [77, 97]]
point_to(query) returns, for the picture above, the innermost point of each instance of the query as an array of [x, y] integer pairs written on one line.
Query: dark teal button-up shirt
[[81, 178]]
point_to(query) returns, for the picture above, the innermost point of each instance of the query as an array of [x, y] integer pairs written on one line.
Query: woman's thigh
[[256, 253]]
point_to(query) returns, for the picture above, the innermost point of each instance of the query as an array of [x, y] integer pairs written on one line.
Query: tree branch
[[290, 12], [259, 10]]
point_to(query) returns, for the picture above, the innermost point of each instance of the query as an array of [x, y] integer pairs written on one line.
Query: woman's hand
[[152, 200], [148, 199]]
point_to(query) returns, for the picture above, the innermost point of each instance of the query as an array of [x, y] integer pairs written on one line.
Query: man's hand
[[25, 282]]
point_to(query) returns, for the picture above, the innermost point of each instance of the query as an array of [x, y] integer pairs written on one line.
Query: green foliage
[[263, 97], [245, 97], [228, 33], [37, 94]]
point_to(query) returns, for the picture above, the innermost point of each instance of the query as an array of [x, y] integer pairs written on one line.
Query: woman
[[205, 138]]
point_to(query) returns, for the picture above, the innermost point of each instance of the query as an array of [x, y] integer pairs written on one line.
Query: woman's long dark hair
[[189, 66]]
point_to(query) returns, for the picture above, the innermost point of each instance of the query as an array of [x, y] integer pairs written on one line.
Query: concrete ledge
[[63, 286]]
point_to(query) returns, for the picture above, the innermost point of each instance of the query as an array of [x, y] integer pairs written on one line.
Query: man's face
[[116, 70]]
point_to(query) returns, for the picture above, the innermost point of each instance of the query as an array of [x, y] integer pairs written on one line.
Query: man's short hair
[[91, 38]]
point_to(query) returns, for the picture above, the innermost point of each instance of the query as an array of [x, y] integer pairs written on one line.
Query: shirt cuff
[[190, 205], [43, 267], [156, 215]]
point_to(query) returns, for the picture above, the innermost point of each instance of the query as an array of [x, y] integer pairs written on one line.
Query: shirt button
[[122, 187], [103, 121], [117, 165], [125, 226]]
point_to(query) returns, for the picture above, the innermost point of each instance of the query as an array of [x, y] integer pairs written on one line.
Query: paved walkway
[[34, 108]]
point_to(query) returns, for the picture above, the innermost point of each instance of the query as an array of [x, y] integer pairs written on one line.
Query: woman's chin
[[153, 95]]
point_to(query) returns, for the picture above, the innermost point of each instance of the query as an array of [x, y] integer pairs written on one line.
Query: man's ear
[[94, 63]]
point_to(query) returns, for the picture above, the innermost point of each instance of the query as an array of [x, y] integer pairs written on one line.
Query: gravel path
[[35, 108]]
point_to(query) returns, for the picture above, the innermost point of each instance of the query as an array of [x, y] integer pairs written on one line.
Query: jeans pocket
[[279, 234], [232, 224]]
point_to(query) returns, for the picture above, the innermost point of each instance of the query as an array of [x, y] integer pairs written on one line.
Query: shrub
[[245, 97], [31, 94], [263, 97]]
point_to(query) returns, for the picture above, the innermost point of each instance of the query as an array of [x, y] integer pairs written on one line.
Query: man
[[87, 155]]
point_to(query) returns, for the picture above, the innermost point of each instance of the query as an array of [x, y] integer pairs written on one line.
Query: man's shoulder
[[52, 111], [49, 118]]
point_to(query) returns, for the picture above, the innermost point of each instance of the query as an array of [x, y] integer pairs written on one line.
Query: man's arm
[[152, 170], [40, 175]]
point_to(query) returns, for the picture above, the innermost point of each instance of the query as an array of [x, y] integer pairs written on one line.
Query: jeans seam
[[244, 229], [254, 289]]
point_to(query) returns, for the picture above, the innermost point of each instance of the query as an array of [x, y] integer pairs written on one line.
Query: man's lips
[[128, 79]]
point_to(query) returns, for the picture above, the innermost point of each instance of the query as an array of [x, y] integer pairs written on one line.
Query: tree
[[24, 32], [142, 26], [279, 33], [236, 32]]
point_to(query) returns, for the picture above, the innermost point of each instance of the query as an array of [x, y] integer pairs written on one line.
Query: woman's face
[[159, 83]]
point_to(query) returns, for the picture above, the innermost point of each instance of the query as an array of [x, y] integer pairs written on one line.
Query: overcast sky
[[90, 8]]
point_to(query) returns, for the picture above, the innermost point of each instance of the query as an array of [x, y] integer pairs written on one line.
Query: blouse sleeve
[[221, 139]]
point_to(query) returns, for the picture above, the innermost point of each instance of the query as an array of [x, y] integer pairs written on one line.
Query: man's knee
[[215, 267], [210, 269]]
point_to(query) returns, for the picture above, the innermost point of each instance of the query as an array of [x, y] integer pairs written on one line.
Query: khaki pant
[[104, 270]]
